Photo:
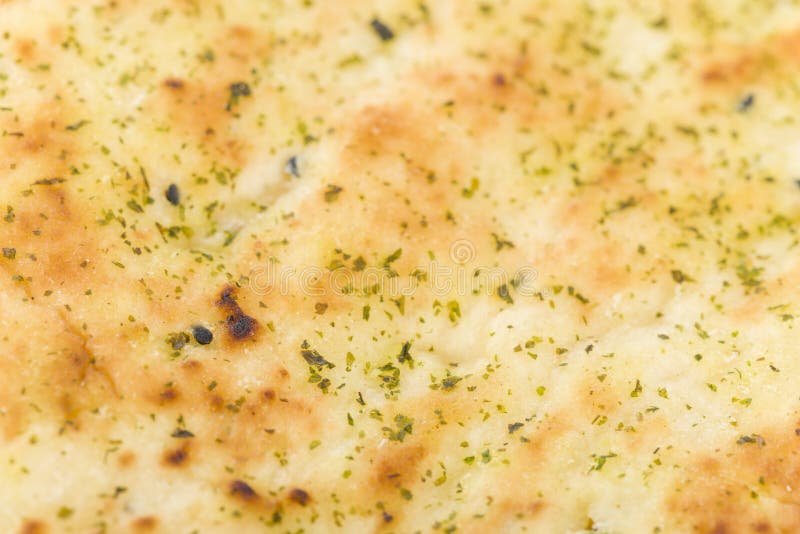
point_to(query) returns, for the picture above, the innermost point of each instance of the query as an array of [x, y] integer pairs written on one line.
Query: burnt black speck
[[383, 31], [173, 194], [747, 102], [202, 335], [291, 167]]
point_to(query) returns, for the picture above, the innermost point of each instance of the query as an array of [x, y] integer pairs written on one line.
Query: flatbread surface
[[491, 266]]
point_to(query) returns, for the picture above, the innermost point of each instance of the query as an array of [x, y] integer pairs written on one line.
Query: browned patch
[[239, 325], [268, 395], [55, 35], [33, 526], [199, 105], [730, 483], [144, 524], [397, 464], [741, 68], [760, 61], [507, 509], [299, 496], [215, 402], [192, 366], [25, 49], [126, 459]]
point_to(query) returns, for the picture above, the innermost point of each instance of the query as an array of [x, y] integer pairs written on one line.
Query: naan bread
[[403, 266]]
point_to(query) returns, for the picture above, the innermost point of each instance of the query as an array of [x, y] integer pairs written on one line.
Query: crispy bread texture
[[486, 266]]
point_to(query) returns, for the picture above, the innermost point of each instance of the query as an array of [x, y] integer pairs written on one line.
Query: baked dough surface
[[357, 185]]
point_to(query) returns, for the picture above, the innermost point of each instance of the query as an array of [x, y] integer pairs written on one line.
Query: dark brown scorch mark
[[240, 326], [243, 490], [176, 457], [299, 496], [174, 83]]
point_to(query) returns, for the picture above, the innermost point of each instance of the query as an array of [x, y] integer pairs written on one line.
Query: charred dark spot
[[747, 102], [291, 167], [182, 433], [320, 308], [514, 427], [227, 298], [240, 325], [499, 80], [299, 496], [177, 457], [243, 490], [387, 517], [269, 394], [240, 89], [202, 335], [174, 83], [383, 31], [173, 194]]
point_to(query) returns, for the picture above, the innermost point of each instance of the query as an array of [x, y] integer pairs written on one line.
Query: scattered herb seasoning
[[238, 90], [680, 277], [403, 426], [314, 358], [178, 340], [77, 125], [504, 294], [49, 181], [332, 193], [393, 257]]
